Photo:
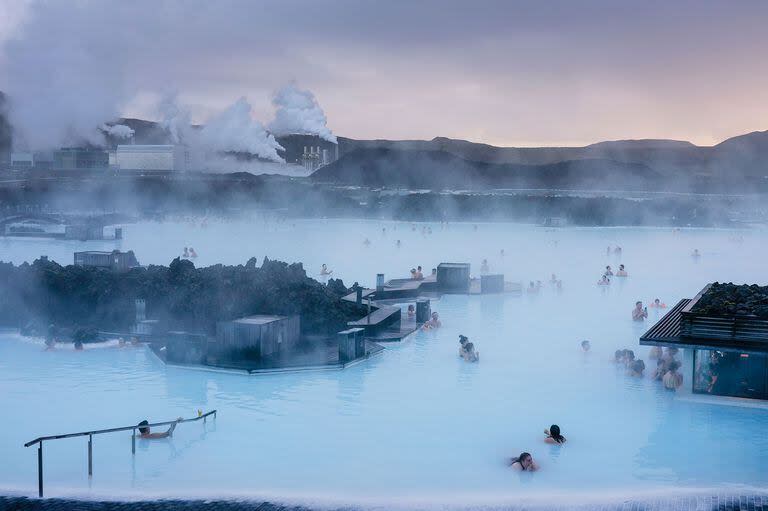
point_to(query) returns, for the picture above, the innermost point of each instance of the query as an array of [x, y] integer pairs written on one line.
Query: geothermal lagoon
[[415, 424]]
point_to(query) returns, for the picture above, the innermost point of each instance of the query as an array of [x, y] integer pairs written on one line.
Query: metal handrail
[[113, 430], [90, 434]]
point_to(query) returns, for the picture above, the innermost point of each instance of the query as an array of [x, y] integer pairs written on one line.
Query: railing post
[[40, 469], [133, 441], [90, 455]]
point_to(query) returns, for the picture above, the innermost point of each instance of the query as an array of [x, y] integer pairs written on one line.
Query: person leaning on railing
[[144, 430]]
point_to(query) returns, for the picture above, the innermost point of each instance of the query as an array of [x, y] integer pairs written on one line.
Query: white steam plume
[[235, 129], [59, 91], [297, 112], [176, 120], [118, 130]]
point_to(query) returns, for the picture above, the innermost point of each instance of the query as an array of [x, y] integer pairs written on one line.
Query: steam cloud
[[235, 129], [176, 120], [59, 91], [297, 112], [67, 83], [118, 130]]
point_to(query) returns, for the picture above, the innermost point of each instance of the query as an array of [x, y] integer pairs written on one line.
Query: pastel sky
[[515, 73]]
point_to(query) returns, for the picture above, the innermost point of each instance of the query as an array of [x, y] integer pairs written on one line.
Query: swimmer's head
[[629, 355], [638, 366], [638, 304], [621, 266], [657, 301], [525, 459], [554, 432], [674, 366], [144, 427], [463, 339], [618, 354], [585, 345]]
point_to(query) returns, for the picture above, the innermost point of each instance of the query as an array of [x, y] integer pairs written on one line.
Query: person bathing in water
[[639, 313], [434, 322], [324, 271], [673, 380], [604, 281], [467, 350], [145, 433], [636, 369], [657, 304], [462, 342], [553, 435], [523, 463], [608, 271], [585, 346], [622, 272]]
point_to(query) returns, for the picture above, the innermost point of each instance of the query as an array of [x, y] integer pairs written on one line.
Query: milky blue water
[[414, 424]]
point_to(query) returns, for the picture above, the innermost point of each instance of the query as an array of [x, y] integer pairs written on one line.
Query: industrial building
[[152, 157], [20, 161], [115, 260], [309, 151], [315, 157], [75, 158]]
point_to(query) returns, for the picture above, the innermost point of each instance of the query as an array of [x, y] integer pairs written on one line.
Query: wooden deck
[[382, 317], [396, 333], [509, 287]]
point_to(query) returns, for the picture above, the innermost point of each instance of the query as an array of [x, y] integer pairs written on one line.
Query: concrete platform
[[711, 502], [326, 356]]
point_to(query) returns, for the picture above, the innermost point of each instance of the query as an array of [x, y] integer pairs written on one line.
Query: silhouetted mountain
[[437, 170], [745, 155], [736, 163], [665, 156]]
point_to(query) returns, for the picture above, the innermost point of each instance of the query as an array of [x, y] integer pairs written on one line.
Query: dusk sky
[[501, 72]]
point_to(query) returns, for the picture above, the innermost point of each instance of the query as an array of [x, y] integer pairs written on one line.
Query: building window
[[731, 373]]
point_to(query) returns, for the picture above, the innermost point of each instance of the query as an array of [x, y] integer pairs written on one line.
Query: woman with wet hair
[[553, 435], [523, 463]]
